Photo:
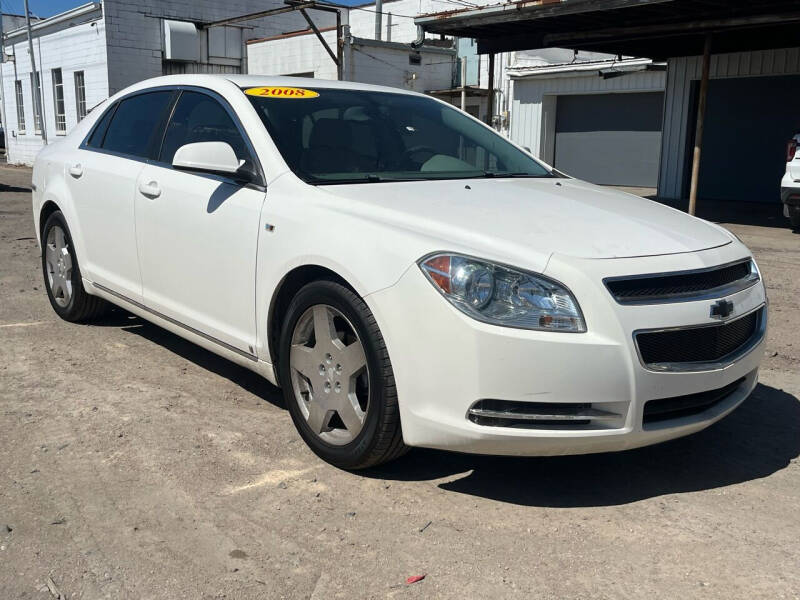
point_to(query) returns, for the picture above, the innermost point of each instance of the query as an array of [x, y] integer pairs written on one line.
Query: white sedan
[[405, 274]]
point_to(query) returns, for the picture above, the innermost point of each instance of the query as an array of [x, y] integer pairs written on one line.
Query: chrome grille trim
[[588, 414], [689, 296]]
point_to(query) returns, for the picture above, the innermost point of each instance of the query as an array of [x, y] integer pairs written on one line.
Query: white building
[[88, 53], [366, 60], [554, 102]]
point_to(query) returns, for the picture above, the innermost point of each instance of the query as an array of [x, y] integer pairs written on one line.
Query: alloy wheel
[[329, 374], [59, 265]]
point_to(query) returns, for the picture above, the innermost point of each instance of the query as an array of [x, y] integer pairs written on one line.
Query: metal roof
[[653, 28]]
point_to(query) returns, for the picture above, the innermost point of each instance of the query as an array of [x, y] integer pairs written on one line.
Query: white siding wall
[[288, 56], [534, 102], [389, 65], [680, 73], [78, 48]]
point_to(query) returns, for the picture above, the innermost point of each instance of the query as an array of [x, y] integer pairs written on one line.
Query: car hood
[[562, 216]]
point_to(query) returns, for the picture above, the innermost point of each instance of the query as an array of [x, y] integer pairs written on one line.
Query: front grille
[[666, 409], [702, 344], [668, 287]]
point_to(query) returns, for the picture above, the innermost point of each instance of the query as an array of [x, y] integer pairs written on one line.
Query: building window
[[80, 95], [37, 118], [58, 102], [20, 107]]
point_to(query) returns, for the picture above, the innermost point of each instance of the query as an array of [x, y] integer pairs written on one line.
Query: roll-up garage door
[[610, 139]]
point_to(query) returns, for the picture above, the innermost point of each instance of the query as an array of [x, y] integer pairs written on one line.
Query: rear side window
[[200, 118], [135, 124]]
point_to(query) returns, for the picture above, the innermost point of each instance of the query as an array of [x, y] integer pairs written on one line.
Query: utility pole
[[37, 81], [2, 87]]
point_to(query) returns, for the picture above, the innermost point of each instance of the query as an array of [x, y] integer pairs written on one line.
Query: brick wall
[[135, 30]]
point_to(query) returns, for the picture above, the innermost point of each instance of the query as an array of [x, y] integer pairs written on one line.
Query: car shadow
[[246, 379], [759, 438], [4, 187]]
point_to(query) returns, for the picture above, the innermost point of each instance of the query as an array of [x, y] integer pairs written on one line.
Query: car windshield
[[330, 136]]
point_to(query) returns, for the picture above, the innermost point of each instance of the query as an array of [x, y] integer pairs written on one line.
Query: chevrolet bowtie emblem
[[721, 309]]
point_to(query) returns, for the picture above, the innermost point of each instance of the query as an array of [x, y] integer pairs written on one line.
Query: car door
[[197, 232], [102, 176]]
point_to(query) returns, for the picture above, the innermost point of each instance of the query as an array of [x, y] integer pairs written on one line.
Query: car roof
[[248, 81]]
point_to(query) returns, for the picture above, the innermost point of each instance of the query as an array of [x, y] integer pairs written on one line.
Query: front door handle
[[151, 189], [76, 170]]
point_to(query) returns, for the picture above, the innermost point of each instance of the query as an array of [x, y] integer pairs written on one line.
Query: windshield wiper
[[500, 175]]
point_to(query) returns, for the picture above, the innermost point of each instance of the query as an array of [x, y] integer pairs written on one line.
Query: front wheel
[[337, 378]]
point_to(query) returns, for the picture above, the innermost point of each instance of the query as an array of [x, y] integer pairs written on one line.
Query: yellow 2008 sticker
[[281, 92]]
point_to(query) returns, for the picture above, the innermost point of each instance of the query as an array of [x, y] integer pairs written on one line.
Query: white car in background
[[790, 184], [405, 274]]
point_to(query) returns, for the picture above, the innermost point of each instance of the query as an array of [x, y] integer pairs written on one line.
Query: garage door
[[611, 139], [749, 120]]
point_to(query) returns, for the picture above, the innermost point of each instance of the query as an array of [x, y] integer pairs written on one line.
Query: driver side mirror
[[208, 157]]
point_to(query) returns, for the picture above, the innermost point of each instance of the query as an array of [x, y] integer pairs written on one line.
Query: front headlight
[[501, 295]]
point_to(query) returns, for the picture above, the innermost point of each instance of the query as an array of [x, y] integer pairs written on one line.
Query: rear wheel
[[337, 378], [62, 275]]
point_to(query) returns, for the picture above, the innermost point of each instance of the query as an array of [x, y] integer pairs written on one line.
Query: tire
[[62, 274], [326, 401]]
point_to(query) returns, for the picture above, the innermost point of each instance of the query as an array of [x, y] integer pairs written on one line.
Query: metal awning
[[655, 29]]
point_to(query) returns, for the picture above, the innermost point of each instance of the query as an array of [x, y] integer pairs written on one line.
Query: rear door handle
[[76, 170], [151, 189]]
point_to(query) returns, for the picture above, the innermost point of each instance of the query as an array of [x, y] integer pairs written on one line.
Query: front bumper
[[790, 196], [444, 362]]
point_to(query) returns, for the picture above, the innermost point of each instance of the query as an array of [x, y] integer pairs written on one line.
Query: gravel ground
[[136, 465]]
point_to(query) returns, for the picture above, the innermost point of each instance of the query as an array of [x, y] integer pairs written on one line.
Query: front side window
[[135, 124], [80, 95], [200, 118], [58, 102], [20, 106], [356, 136]]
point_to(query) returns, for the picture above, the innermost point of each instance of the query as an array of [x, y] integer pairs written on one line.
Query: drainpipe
[[389, 27], [464, 83], [417, 43], [378, 18]]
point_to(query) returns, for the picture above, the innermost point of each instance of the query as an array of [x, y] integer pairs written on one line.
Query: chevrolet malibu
[[407, 276]]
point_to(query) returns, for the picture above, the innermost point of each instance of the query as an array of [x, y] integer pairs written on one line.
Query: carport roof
[[651, 28]]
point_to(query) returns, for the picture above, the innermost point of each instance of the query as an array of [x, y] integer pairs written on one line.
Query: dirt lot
[[135, 465]]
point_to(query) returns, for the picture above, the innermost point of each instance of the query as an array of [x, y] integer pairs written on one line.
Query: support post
[[321, 39], [37, 87], [701, 115], [490, 100]]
